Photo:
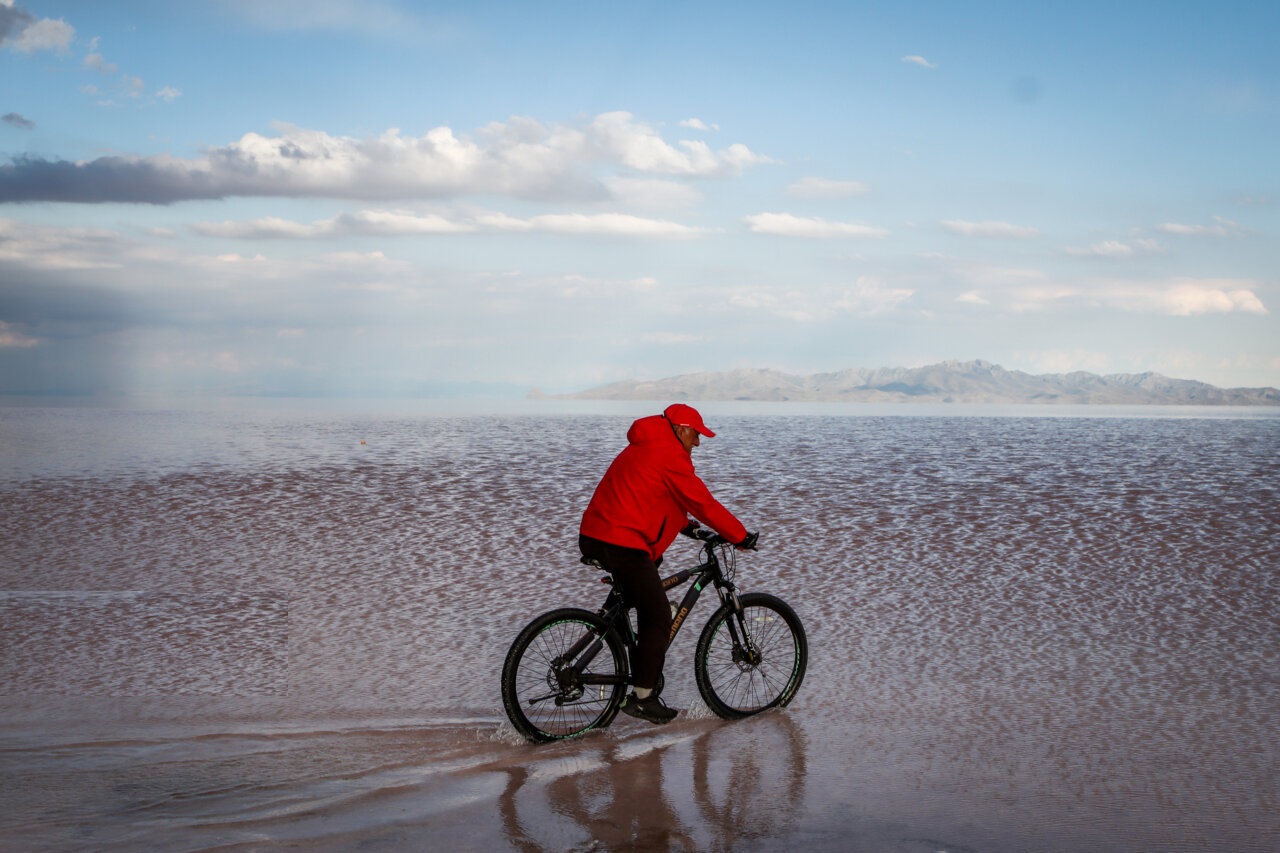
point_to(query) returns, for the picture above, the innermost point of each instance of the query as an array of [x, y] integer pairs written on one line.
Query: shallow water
[[261, 628]]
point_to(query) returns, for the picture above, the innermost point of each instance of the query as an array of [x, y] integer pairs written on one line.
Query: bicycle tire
[[767, 674], [537, 705]]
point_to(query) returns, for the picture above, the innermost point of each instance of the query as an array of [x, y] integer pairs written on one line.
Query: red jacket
[[649, 492]]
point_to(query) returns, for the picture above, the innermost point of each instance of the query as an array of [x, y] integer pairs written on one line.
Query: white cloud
[[398, 222], [790, 306], [50, 247], [1187, 297], [1177, 297], [11, 338], [519, 158], [264, 228], [1224, 228], [1028, 289], [868, 296], [1116, 249], [918, 60], [597, 225], [129, 86], [1039, 297], [636, 145], [698, 124], [739, 157], [787, 225], [1105, 249], [97, 63], [1192, 230], [999, 230], [23, 32], [578, 286], [824, 188], [227, 362], [409, 223], [1011, 276]]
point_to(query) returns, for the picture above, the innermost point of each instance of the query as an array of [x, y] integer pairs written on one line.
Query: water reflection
[[710, 790], [749, 777]]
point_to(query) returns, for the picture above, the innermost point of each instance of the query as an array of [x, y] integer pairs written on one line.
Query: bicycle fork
[[745, 652]]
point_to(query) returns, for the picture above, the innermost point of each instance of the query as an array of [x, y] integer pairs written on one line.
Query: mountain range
[[947, 382]]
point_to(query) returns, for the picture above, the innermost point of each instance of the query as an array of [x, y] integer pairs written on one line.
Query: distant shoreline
[[947, 383]]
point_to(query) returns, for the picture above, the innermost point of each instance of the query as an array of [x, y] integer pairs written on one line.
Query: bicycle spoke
[[763, 669], [543, 699]]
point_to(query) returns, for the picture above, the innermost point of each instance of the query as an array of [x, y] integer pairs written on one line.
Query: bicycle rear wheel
[[748, 664], [545, 698]]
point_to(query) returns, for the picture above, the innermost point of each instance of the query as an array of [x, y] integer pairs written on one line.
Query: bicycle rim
[[538, 706], [761, 671]]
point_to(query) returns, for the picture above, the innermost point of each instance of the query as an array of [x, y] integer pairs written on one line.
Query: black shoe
[[650, 708]]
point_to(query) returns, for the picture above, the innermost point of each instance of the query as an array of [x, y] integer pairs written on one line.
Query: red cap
[[687, 416]]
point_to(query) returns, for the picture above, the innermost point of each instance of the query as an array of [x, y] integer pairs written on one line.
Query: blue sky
[[335, 197]]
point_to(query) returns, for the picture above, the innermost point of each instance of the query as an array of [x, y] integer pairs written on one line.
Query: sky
[[389, 198]]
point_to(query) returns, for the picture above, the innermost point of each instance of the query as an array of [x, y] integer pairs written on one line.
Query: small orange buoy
[[362, 441]]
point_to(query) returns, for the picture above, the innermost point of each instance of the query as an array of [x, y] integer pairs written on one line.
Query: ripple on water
[[1032, 605]]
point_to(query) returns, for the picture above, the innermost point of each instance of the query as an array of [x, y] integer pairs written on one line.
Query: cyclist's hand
[[690, 530], [749, 543]]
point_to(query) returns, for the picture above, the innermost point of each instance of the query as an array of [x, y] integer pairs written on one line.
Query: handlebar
[[712, 539]]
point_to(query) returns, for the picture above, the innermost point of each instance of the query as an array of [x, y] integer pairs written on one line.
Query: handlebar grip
[[706, 534]]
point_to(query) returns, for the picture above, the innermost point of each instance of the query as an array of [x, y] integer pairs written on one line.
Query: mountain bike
[[567, 672]]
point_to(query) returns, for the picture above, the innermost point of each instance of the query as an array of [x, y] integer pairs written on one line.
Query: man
[[642, 503]]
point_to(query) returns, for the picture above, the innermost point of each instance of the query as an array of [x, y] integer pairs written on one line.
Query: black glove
[[690, 530], [749, 543]]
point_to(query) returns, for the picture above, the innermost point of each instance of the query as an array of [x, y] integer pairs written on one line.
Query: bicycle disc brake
[[747, 656], [564, 684]]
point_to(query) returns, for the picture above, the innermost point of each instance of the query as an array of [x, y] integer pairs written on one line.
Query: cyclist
[[642, 503]]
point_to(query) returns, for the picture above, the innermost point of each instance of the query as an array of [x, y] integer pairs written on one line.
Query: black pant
[[637, 576]]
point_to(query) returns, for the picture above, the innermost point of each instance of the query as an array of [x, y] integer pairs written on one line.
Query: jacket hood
[[654, 428]]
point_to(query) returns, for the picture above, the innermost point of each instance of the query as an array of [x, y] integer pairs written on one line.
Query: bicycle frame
[[614, 613]]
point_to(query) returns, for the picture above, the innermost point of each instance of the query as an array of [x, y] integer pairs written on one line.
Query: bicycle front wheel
[[753, 661], [548, 691]]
